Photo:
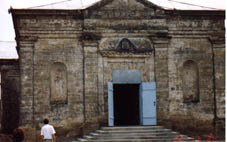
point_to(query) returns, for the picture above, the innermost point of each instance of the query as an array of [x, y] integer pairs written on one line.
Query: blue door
[[110, 104], [148, 103]]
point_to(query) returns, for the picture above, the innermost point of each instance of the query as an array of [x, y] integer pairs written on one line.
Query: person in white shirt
[[48, 132]]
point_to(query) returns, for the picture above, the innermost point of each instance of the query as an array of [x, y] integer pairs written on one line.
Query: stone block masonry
[[67, 58]]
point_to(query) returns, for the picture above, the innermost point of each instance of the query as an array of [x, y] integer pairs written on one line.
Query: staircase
[[134, 134]]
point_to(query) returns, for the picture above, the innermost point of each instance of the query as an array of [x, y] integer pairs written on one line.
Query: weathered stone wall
[[198, 51], [191, 42], [65, 109], [77, 50], [44, 42]]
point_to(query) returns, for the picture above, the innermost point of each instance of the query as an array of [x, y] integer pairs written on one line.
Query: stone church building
[[116, 63]]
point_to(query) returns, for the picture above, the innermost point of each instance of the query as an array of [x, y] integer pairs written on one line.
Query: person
[[18, 135], [48, 132]]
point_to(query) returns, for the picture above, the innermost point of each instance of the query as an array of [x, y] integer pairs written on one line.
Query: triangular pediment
[[124, 9], [123, 4]]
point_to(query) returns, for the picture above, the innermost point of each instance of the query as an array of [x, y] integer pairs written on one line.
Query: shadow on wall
[[10, 103]]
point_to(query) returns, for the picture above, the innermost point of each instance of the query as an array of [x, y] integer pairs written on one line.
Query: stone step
[[133, 134], [160, 141], [133, 140], [137, 137], [133, 131], [132, 127]]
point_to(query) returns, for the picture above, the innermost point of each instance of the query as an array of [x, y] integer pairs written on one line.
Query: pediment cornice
[[126, 47]]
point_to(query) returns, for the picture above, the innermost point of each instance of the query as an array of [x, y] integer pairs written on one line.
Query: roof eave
[[45, 11], [8, 61], [197, 12], [15, 28]]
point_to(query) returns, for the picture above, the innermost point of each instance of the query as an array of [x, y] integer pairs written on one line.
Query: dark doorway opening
[[126, 104]]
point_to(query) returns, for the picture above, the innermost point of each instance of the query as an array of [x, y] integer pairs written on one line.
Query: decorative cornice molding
[[127, 47], [115, 54], [27, 38], [160, 38], [90, 36], [217, 39]]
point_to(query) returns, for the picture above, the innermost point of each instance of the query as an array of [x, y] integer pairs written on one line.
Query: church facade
[[120, 63]]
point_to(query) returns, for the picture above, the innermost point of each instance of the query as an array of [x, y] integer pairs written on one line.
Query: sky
[[6, 25], [7, 49]]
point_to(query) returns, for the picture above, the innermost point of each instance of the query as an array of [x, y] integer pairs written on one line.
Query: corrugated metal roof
[[166, 4], [8, 50]]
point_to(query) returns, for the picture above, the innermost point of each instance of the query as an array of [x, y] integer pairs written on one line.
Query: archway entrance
[[126, 104]]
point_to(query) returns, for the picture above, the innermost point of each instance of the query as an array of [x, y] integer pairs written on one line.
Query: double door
[[132, 104]]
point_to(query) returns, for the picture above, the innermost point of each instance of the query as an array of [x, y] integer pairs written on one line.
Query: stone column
[[90, 45]]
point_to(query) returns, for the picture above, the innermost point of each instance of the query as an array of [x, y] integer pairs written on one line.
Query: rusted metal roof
[[8, 50]]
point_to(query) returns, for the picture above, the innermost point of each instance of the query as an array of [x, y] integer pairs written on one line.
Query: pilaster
[[26, 61], [91, 103], [161, 74]]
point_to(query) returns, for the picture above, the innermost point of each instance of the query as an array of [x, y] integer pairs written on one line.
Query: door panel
[[110, 104], [148, 103]]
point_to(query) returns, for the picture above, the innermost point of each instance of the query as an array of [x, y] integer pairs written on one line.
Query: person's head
[[45, 121], [18, 135]]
